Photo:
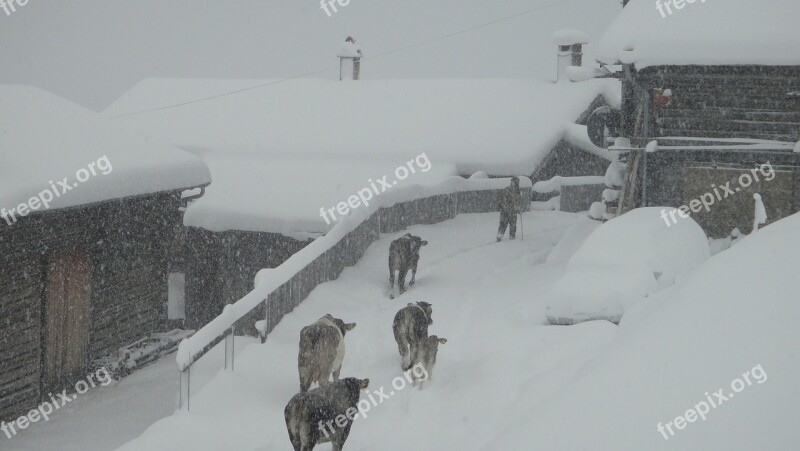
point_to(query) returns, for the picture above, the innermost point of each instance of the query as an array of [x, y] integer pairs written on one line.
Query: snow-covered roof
[[502, 126], [730, 32], [44, 138], [569, 36], [280, 152]]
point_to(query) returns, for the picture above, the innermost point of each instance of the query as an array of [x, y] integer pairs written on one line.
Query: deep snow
[[485, 300], [738, 310]]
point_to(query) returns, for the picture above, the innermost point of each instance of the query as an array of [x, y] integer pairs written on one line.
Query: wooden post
[[229, 341], [183, 398]]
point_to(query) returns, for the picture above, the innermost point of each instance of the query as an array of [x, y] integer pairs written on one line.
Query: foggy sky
[[91, 51]]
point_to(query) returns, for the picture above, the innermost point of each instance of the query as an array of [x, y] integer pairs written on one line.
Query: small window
[[176, 301]]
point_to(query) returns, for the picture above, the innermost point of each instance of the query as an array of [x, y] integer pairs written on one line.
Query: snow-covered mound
[[737, 311], [715, 32], [623, 261], [44, 138]]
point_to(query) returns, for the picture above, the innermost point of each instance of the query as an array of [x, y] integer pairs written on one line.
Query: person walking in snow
[[509, 204]]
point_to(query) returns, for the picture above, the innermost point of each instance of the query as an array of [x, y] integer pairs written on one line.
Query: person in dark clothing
[[509, 204]]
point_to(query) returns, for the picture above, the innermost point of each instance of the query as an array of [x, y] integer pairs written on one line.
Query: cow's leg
[[307, 438], [402, 346], [412, 357], [339, 439], [401, 279], [325, 370], [305, 379]]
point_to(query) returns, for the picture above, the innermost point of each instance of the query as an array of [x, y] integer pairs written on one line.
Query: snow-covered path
[[105, 418], [486, 301]]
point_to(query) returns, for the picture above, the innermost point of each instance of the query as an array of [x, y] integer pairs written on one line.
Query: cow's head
[[343, 327], [428, 309], [416, 242], [355, 385]]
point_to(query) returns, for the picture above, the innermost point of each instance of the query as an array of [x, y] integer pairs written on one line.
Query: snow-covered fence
[[575, 193], [285, 287]]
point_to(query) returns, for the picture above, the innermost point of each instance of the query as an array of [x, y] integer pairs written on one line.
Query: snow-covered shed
[[717, 85], [279, 151], [89, 212]]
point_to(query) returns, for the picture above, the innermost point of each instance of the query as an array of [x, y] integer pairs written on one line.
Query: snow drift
[[738, 310], [623, 261]]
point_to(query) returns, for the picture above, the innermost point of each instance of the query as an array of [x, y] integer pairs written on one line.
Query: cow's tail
[[305, 360], [290, 415]]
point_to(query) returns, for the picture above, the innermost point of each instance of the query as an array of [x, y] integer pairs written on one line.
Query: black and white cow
[[404, 256], [321, 351], [324, 414], [410, 329]]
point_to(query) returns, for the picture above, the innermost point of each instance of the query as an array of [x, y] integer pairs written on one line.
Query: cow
[[425, 356], [410, 329], [324, 414], [321, 351], [404, 255]]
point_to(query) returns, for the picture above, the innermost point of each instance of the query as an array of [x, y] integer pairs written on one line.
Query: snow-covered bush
[[623, 261]]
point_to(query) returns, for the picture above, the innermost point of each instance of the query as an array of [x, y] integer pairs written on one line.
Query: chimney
[[570, 49], [349, 60]]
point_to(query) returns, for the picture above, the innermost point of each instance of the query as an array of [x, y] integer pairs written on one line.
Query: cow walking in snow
[[425, 356], [410, 329], [321, 351], [509, 203], [404, 255], [324, 414]]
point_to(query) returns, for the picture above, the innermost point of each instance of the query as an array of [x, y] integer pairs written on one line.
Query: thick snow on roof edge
[[730, 32], [44, 138]]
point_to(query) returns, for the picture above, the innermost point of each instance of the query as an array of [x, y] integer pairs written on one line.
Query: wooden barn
[[717, 103], [83, 269]]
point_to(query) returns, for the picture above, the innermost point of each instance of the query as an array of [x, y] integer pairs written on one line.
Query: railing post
[[183, 399], [266, 320], [229, 340]]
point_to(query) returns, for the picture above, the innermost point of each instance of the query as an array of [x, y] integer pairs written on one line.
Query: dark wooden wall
[[726, 101], [666, 183], [128, 241], [220, 267]]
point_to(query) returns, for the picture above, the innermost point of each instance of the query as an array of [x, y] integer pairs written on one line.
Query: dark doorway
[[66, 323]]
